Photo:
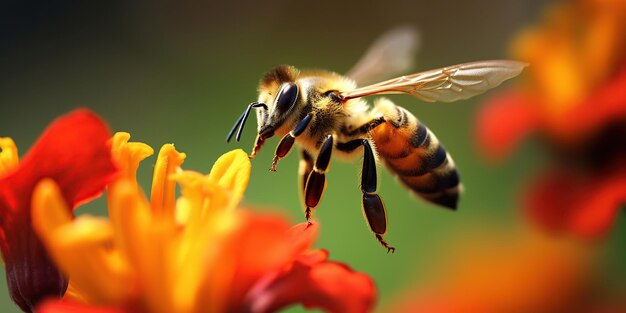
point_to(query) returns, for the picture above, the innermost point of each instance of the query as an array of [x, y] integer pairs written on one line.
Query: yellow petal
[[127, 155], [163, 195], [8, 155], [232, 172], [130, 215], [81, 248], [149, 243], [601, 45], [49, 210]]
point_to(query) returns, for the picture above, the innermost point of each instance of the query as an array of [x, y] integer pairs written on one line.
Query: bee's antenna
[[241, 121], [232, 130]]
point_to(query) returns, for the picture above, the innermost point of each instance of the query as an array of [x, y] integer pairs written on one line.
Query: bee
[[325, 114]]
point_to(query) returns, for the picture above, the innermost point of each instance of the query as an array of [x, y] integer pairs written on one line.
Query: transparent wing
[[446, 84], [392, 54]]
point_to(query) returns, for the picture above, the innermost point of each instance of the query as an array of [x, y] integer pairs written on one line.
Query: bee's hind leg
[[285, 144], [372, 204], [305, 168], [316, 182]]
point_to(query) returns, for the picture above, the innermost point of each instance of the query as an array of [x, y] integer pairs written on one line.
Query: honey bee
[[325, 114]]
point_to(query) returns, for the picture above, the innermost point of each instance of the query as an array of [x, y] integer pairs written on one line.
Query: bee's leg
[[372, 204], [306, 166], [258, 143], [304, 170], [316, 183], [285, 144], [365, 128]]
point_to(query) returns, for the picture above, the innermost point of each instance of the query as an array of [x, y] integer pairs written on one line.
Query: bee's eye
[[287, 97]]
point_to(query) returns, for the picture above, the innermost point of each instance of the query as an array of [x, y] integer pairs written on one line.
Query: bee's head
[[279, 94]]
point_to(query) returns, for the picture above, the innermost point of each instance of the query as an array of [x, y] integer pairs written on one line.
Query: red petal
[[606, 105], [302, 236], [73, 151], [55, 306], [584, 206], [314, 282], [262, 244], [504, 121]]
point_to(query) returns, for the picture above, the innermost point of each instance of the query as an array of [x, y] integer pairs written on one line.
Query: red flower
[[73, 152], [496, 272], [191, 253], [507, 118], [575, 100], [260, 286]]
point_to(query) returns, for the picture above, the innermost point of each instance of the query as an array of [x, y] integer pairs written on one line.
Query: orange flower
[[522, 272], [73, 153], [576, 99], [194, 253]]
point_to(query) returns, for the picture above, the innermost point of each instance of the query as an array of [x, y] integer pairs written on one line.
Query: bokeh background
[[182, 72]]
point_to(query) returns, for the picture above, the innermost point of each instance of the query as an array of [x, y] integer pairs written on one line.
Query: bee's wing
[[446, 84], [390, 55]]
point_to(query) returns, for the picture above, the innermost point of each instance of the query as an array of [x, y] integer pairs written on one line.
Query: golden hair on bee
[[277, 76], [326, 115]]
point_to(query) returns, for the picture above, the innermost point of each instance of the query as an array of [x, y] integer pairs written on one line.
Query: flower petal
[[8, 155], [585, 206], [315, 283], [257, 245], [303, 235], [607, 104], [146, 242], [80, 247], [232, 171], [506, 270], [54, 306], [504, 121], [73, 152]]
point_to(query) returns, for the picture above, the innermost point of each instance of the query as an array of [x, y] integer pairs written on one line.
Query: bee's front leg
[[258, 143], [285, 144], [316, 182]]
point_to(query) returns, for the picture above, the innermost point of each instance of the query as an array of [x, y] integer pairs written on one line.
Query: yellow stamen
[[232, 171], [157, 254], [163, 194], [8, 155], [127, 155], [206, 218]]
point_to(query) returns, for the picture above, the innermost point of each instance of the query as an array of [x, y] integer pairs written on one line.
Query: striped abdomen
[[413, 153]]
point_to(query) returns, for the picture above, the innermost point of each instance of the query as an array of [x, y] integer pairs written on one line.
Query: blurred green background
[[174, 72]]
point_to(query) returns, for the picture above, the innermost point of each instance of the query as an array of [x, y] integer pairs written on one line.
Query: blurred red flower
[[575, 99], [519, 272], [73, 152]]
